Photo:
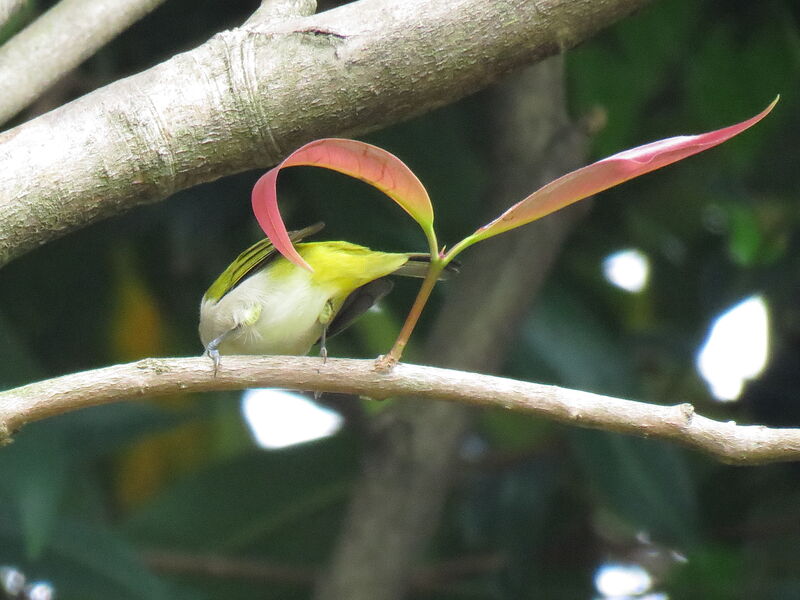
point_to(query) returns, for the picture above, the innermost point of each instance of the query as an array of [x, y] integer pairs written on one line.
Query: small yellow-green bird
[[264, 304]]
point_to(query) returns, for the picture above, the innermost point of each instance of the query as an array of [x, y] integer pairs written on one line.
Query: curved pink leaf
[[363, 161], [607, 173]]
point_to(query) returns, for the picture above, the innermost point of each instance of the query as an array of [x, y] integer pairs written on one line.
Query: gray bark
[[249, 96]]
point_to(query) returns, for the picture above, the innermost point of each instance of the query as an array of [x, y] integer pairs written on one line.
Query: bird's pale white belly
[[272, 317]]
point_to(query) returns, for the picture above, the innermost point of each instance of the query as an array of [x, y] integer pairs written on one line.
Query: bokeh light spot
[[278, 418], [620, 580], [736, 348], [627, 269]]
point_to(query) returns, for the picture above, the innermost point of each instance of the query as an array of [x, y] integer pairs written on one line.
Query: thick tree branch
[[275, 11], [729, 442], [8, 9], [57, 42], [247, 96]]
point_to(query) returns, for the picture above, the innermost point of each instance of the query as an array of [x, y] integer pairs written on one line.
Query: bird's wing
[[357, 303], [255, 257]]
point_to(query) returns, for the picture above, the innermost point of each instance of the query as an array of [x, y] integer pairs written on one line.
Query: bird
[[265, 304]]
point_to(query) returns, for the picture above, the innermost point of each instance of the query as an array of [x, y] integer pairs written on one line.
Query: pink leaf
[[368, 163], [607, 173]]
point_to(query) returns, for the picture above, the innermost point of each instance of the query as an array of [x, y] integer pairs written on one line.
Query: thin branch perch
[[727, 441]]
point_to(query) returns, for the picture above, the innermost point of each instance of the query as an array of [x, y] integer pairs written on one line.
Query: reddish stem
[[387, 361]]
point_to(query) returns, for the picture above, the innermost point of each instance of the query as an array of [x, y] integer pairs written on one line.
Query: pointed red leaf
[[368, 163], [607, 173]]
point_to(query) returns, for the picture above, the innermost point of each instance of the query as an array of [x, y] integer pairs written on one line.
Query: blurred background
[[681, 286]]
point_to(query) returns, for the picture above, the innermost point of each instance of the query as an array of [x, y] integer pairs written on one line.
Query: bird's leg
[[323, 352], [250, 317], [212, 350], [325, 318], [323, 349]]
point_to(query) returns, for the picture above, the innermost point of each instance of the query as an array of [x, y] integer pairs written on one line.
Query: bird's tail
[[417, 266]]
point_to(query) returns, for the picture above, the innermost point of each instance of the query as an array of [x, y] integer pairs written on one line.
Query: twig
[[729, 442], [227, 567], [57, 42], [429, 578]]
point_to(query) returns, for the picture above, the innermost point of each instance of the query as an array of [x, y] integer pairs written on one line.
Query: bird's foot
[[212, 351]]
